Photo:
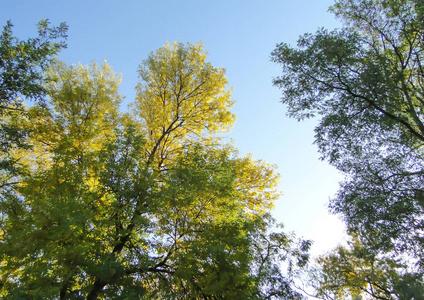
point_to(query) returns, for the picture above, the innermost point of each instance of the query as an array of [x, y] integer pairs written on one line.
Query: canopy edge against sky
[[239, 36]]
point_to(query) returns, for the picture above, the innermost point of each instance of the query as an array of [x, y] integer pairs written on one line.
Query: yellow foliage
[[181, 97], [257, 181], [113, 199]]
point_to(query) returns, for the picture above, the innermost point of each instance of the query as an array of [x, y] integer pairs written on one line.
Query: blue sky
[[239, 36]]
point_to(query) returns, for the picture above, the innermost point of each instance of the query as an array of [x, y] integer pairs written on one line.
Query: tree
[[144, 205], [22, 63], [22, 66], [366, 82], [355, 272]]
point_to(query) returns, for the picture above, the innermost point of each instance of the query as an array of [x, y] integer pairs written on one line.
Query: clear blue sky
[[239, 36]]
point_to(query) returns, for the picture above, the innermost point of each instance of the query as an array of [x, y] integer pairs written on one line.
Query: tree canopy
[[365, 81], [355, 270], [142, 205], [22, 78]]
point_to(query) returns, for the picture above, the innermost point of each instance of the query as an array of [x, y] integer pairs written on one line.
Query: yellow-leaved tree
[[145, 205]]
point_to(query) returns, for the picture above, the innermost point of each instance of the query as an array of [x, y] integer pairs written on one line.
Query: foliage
[[147, 205], [181, 97], [22, 64], [366, 82], [355, 272]]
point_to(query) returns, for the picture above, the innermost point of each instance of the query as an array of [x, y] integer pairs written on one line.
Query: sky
[[239, 36]]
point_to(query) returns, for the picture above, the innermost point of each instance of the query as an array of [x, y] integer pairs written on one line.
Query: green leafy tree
[[22, 63], [354, 272], [22, 66], [365, 81], [146, 205]]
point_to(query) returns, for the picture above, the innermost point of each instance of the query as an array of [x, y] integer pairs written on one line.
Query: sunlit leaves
[[180, 97], [22, 66], [142, 205], [354, 271]]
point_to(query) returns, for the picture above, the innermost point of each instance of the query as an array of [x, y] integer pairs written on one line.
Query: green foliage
[[366, 83], [148, 205], [354, 271], [22, 64]]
